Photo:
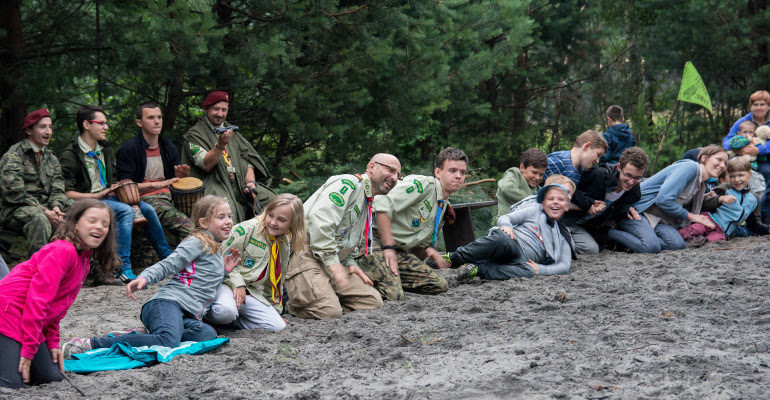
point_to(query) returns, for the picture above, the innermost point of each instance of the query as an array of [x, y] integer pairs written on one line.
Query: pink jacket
[[37, 293]]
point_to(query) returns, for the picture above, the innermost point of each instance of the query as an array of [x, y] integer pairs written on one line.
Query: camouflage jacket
[[27, 184]]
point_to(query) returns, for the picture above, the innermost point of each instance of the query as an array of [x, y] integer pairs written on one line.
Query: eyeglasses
[[631, 177], [391, 170], [103, 123]]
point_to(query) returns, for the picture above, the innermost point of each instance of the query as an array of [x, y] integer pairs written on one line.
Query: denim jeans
[[497, 255], [639, 236], [124, 223], [764, 169], [42, 370], [168, 325]]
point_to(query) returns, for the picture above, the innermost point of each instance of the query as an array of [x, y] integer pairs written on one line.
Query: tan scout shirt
[[412, 207], [335, 217], [255, 260], [91, 166]]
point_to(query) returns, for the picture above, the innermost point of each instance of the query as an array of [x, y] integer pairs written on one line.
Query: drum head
[[187, 184]]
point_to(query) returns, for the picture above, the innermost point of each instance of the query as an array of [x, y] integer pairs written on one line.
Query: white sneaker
[[76, 346]]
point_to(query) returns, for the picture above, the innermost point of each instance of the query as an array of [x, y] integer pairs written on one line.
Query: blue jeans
[[764, 169], [168, 325], [124, 222], [639, 236], [497, 255]]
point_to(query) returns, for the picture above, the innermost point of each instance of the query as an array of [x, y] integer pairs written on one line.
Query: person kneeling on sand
[[174, 314], [529, 241], [252, 295]]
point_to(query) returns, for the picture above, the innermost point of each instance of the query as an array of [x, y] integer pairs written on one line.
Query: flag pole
[[660, 146]]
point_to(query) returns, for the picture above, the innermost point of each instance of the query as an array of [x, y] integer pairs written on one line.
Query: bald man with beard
[[338, 219]]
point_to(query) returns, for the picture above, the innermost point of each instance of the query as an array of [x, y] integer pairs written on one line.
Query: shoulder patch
[[357, 210], [337, 199], [240, 230], [418, 185], [194, 148], [416, 223], [230, 241], [257, 243], [248, 262], [427, 204], [344, 190], [410, 189], [349, 183]]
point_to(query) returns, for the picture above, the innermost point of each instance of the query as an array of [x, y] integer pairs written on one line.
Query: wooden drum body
[[129, 193], [185, 192]]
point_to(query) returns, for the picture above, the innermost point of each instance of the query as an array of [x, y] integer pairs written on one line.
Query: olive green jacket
[[217, 181], [511, 189]]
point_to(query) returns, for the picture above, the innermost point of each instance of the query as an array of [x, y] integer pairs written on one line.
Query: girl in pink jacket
[[37, 293]]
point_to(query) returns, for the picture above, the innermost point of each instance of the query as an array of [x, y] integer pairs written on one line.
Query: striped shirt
[[560, 162]]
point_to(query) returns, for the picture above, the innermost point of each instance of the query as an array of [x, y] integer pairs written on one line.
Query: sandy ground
[[687, 324]]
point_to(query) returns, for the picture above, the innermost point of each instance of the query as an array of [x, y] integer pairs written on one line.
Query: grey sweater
[[540, 242], [197, 275]]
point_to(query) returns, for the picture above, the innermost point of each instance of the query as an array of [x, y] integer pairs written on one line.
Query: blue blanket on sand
[[123, 356]]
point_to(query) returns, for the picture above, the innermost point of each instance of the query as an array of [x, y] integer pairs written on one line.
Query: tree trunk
[[11, 72]]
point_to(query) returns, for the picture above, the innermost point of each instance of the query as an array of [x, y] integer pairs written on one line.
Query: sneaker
[[445, 257], [467, 273], [138, 331], [76, 346], [126, 275]]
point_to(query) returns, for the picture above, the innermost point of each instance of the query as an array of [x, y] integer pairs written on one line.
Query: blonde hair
[[205, 208], [593, 137], [296, 232], [738, 164], [561, 180]]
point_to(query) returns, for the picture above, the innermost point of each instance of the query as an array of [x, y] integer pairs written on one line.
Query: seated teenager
[[518, 183], [605, 193], [152, 161], [671, 200], [529, 241], [87, 166]]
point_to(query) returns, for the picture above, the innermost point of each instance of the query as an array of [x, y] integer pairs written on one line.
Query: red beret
[[214, 98], [34, 116]]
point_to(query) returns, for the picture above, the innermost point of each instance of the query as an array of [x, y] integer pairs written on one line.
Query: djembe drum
[[185, 192], [129, 193]]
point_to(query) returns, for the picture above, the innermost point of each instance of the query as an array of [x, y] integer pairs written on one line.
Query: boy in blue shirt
[[586, 151], [738, 204], [617, 136]]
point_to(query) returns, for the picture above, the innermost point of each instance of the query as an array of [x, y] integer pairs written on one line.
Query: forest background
[[319, 86]]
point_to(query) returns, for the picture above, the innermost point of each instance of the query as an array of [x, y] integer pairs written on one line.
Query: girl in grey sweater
[[198, 267]]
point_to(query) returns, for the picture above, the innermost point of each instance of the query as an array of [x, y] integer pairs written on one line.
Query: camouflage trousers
[[170, 217], [33, 224], [413, 275]]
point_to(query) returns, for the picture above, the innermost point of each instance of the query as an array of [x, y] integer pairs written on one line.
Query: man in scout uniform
[[33, 199], [408, 220], [227, 164], [152, 161], [88, 165], [338, 220]]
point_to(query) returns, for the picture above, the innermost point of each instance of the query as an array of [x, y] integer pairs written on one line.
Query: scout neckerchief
[[438, 214], [368, 242], [275, 272], [39, 157], [224, 153], [100, 165]]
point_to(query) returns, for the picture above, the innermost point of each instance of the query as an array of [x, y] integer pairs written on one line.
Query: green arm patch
[[194, 148], [427, 204], [410, 189], [344, 189], [357, 210], [337, 199], [240, 230], [349, 183], [230, 241], [418, 185]]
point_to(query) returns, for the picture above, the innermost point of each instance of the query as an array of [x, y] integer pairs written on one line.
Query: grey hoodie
[[197, 275], [541, 242]]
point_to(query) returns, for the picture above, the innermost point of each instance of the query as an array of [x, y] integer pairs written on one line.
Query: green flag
[[693, 90]]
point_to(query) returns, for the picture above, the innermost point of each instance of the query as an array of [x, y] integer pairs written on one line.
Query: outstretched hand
[[232, 259], [133, 286]]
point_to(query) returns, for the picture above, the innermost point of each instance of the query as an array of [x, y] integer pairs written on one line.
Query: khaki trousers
[[314, 294]]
